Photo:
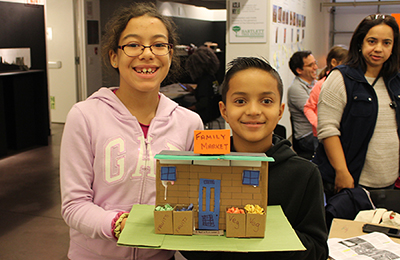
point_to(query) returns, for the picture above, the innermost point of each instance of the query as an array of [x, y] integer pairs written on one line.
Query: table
[[343, 228], [174, 91]]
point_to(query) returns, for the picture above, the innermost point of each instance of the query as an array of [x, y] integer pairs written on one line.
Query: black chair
[[300, 152], [388, 199]]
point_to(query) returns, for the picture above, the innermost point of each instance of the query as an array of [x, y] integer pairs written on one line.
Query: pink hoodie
[[106, 166]]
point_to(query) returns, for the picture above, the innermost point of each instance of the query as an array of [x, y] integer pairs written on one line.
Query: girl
[[358, 111], [109, 140], [335, 57]]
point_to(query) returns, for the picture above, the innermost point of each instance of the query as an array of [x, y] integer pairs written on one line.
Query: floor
[[31, 226]]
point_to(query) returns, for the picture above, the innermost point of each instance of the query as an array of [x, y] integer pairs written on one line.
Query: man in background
[[304, 67]]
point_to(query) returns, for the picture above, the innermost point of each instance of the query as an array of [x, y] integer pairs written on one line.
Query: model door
[[209, 194]]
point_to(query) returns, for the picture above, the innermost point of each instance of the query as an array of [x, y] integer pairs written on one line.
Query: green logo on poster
[[236, 29]]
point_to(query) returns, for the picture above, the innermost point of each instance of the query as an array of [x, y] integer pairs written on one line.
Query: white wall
[[189, 11], [72, 83], [60, 48], [93, 52]]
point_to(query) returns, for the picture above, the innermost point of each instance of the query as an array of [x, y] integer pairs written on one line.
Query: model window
[[251, 177], [168, 173]]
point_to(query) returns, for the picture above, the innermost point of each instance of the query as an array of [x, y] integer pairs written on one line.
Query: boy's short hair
[[296, 61], [243, 63]]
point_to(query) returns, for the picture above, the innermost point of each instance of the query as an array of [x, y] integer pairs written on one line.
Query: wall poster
[[288, 30], [248, 21]]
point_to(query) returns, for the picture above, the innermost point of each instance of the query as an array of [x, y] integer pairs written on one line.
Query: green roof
[[233, 156]]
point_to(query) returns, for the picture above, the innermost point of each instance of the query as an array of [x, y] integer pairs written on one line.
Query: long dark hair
[[117, 24], [355, 57]]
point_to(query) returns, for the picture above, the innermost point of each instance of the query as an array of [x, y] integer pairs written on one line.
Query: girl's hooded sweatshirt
[[107, 165]]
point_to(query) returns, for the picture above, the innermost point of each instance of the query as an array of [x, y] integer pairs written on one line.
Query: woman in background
[[202, 66], [359, 111]]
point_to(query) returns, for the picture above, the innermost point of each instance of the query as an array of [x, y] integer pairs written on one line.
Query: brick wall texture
[[233, 193]]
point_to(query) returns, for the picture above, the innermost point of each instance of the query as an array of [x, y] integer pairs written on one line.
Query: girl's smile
[[146, 72]]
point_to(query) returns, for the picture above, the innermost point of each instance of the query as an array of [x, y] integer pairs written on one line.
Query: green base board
[[139, 232]]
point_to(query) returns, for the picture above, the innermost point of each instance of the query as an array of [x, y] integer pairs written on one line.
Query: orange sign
[[212, 141], [397, 17]]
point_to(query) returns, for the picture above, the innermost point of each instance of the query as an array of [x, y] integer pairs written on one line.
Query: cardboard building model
[[212, 183]]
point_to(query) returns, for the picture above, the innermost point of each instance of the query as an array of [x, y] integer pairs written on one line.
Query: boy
[[252, 106]]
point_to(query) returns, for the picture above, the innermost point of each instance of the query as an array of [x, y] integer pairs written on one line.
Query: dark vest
[[358, 121]]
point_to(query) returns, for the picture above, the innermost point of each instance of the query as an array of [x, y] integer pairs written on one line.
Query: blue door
[[209, 194]]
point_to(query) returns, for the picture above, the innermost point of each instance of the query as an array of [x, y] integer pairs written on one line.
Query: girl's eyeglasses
[[134, 49]]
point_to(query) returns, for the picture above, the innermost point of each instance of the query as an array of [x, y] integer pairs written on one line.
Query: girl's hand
[[123, 223], [343, 180]]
